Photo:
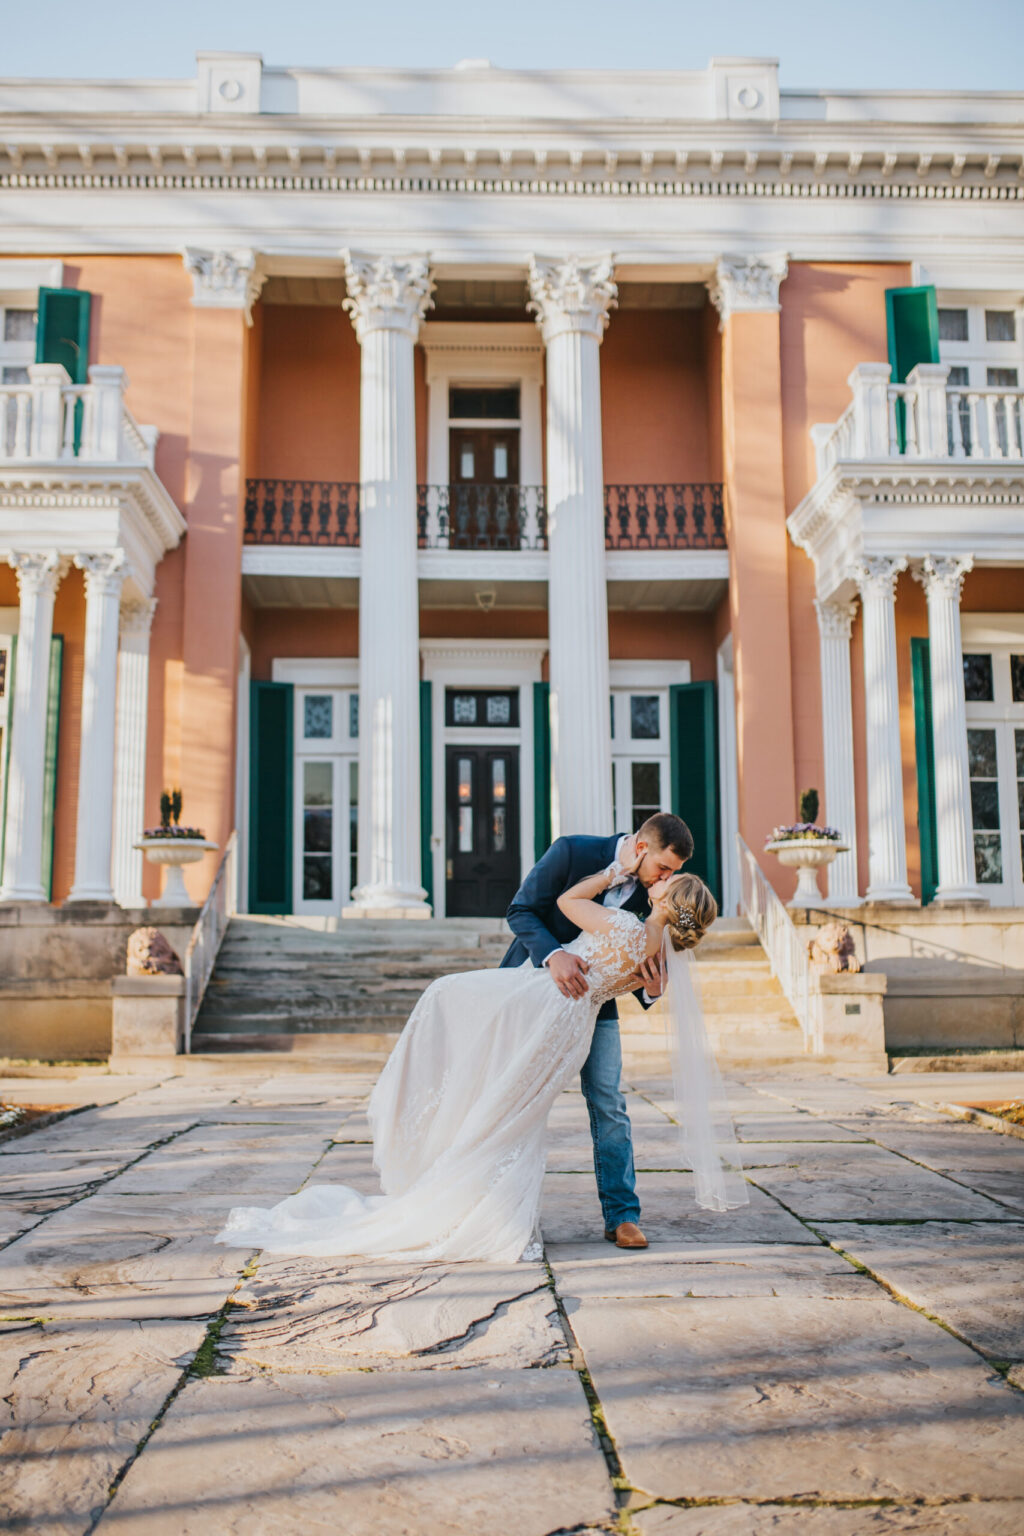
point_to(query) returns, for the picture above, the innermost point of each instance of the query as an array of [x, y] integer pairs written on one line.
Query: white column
[[130, 749], [38, 579], [572, 299], [387, 300], [887, 843], [104, 577], [835, 621], [943, 582], [728, 770]]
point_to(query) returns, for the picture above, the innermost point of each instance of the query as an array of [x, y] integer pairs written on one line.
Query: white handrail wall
[[208, 934], [780, 940]]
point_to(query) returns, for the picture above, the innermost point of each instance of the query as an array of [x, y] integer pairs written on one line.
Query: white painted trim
[[480, 664], [728, 780], [980, 628], [648, 674], [316, 671], [325, 562], [666, 564], [9, 619], [474, 352], [22, 280]]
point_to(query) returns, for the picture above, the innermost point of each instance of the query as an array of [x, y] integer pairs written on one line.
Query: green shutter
[[912, 324], [693, 735], [270, 798], [12, 657], [50, 758], [925, 753], [426, 793], [62, 331], [541, 769]]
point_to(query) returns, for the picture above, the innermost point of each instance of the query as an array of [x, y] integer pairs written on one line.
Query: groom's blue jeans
[[609, 1126]]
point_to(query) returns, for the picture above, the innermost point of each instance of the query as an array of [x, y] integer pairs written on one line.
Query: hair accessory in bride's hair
[[684, 918]]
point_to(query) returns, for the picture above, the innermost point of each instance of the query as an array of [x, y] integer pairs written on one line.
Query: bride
[[459, 1112]]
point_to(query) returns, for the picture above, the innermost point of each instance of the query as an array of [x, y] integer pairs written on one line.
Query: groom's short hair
[[664, 830]]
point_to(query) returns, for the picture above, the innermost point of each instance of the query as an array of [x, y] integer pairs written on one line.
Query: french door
[[482, 829], [325, 800], [994, 687]]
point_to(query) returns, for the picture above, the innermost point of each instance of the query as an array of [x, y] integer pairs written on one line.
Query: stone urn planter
[[806, 855], [174, 853]]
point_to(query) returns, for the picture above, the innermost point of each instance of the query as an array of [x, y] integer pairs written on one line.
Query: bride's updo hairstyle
[[691, 908]]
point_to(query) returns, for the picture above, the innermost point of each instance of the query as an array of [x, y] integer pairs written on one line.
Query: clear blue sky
[[936, 44]]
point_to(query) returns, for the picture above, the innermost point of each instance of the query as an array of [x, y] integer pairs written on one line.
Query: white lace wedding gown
[[459, 1115]]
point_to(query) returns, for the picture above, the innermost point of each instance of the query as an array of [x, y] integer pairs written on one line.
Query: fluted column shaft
[[130, 750], [887, 843], [38, 578], [387, 300], [572, 299], [104, 577], [943, 583], [835, 621]]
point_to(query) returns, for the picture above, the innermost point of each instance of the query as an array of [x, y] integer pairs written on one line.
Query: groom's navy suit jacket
[[535, 918]]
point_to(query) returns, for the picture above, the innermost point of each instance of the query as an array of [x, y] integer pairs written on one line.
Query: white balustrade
[[208, 934], [51, 420], [780, 939], [925, 418]]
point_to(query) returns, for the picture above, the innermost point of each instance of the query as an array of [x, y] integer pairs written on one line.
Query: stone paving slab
[[953, 1146], [463, 1453], [570, 1213], [655, 1147], [761, 1398], [323, 1315], [121, 1128], [886, 1187], [75, 1400], [701, 1269], [227, 1158], [968, 1519], [17, 1216], [34, 1175], [792, 1127], [1004, 1185], [970, 1274], [117, 1257]]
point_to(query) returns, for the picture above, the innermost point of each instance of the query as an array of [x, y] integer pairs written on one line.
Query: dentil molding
[[387, 293]]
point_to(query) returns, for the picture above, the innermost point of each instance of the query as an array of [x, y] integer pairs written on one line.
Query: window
[[481, 404], [319, 717], [317, 831], [978, 678], [981, 343], [995, 756], [17, 343], [325, 797], [952, 325], [482, 707], [640, 755], [1000, 325]]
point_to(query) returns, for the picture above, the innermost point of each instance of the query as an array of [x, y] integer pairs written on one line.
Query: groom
[[541, 929]]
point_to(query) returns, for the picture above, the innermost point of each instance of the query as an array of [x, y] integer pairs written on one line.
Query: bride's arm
[[579, 903]]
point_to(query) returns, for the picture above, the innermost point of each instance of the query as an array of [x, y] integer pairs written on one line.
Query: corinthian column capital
[[38, 573], [387, 293], [137, 617], [944, 577], [743, 284], [571, 293], [104, 573], [835, 620], [224, 279], [876, 576]]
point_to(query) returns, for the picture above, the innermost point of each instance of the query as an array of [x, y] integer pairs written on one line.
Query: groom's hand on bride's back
[[569, 973]]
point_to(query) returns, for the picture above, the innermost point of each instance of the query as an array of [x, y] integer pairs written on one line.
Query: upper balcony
[[912, 469], [77, 471]]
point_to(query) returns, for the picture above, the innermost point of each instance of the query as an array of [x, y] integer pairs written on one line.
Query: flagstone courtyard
[[843, 1356]]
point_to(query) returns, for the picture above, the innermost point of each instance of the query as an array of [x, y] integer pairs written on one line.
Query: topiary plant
[[809, 804]]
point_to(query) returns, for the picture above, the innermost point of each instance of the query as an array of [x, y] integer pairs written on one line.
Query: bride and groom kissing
[[459, 1113]]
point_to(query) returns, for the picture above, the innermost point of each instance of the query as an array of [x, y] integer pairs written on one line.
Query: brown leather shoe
[[626, 1235]]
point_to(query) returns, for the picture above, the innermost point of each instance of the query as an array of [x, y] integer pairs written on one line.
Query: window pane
[[978, 678], [498, 779], [319, 717], [317, 827], [3, 676], [985, 805], [15, 375], [499, 709], [1019, 742], [646, 786], [988, 859], [1001, 378], [498, 822], [952, 325], [1016, 679], [353, 716], [959, 377], [19, 325], [316, 784], [353, 823], [317, 882], [981, 754], [467, 464], [465, 829], [465, 780], [501, 461], [999, 325], [484, 404], [464, 709], [645, 716]]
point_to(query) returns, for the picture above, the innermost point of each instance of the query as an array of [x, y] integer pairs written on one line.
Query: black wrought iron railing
[[302, 512], [688, 516], [486, 517], [472, 516]]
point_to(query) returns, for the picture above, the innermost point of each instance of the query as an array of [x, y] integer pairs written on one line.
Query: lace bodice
[[611, 956]]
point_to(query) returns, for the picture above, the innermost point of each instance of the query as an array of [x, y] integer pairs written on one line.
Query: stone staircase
[[344, 992]]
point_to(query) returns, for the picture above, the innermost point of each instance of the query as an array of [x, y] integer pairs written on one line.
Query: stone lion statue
[[149, 954], [832, 949]]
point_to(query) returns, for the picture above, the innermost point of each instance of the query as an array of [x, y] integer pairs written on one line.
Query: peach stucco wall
[[654, 403], [309, 396]]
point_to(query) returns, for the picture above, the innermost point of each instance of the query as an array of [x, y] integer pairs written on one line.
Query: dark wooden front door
[[484, 488], [482, 830]]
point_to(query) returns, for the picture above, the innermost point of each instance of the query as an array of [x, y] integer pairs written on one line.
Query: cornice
[[28, 488]]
